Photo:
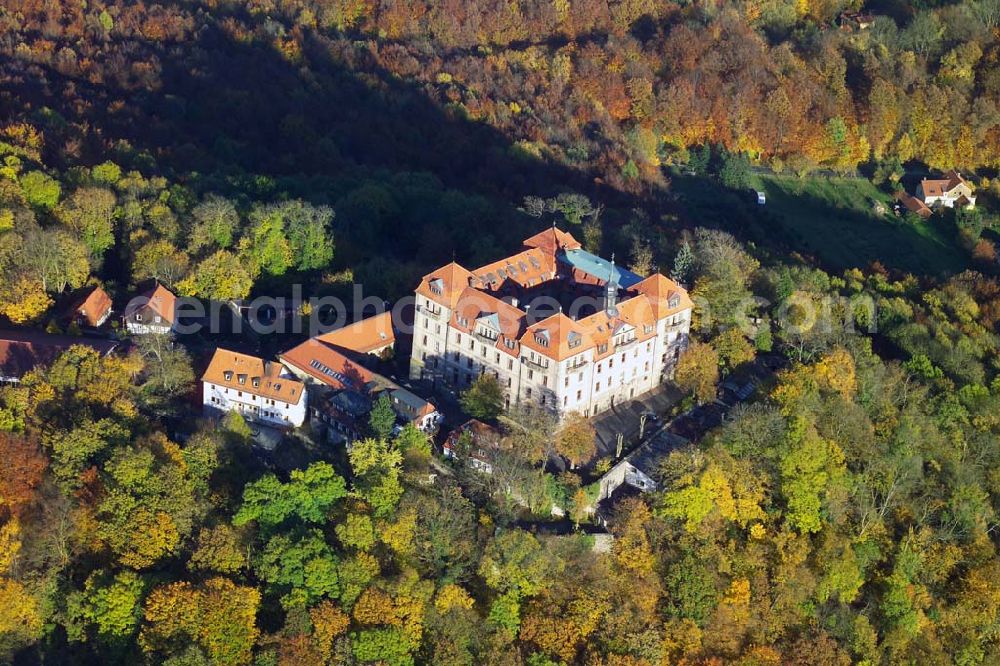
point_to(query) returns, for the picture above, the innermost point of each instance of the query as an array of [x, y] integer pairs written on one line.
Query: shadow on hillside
[[835, 237], [407, 176], [842, 238]]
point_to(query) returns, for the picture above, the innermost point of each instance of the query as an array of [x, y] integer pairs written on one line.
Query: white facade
[[137, 325], [103, 318], [255, 407], [587, 383], [624, 473], [947, 192]]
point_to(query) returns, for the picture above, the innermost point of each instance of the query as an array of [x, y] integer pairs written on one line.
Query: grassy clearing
[[835, 219]]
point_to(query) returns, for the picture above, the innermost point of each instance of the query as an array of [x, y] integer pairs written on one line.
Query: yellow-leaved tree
[[23, 299], [20, 613], [217, 616]]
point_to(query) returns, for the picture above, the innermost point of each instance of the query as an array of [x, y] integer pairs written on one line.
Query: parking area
[[626, 419]]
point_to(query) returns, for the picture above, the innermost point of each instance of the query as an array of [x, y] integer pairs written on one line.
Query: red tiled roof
[[938, 187], [482, 435], [659, 290], [228, 368], [552, 337], [158, 298], [528, 269], [93, 306], [325, 364], [557, 337], [914, 204], [445, 284], [552, 240], [473, 304], [363, 336], [23, 351]]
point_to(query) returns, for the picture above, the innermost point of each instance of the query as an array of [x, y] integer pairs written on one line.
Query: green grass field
[[831, 218], [835, 219]]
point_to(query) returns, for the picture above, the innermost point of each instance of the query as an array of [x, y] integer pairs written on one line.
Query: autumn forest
[[844, 511]]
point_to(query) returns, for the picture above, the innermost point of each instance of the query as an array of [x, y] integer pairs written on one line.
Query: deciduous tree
[[484, 399], [90, 212], [576, 440], [698, 371], [218, 616]]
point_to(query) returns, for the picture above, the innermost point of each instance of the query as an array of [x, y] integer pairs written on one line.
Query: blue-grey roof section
[[593, 265], [649, 457], [351, 402], [492, 320], [414, 402]]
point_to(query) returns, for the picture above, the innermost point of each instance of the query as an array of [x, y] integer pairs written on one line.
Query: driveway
[[626, 418]]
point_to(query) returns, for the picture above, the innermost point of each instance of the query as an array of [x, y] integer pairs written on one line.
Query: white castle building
[[558, 326]]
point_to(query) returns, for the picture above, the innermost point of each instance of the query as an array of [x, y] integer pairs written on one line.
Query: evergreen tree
[[683, 265], [382, 418]]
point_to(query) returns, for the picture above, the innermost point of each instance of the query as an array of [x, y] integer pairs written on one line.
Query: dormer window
[[602, 348], [574, 340], [228, 374], [256, 382], [648, 328], [674, 301], [437, 286], [542, 338], [242, 379], [138, 317]]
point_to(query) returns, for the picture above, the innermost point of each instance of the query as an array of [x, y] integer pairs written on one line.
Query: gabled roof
[[24, 350], [554, 337], [468, 296], [482, 435], [328, 366], [364, 336], [649, 457], [445, 284], [528, 269], [637, 312], [474, 427], [914, 204], [599, 328], [659, 290], [93, 305], [552, 240], [411, 405], [250, 374], [473, 304], [490, 320], [939, 187], [158, 299], [551, 337]]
